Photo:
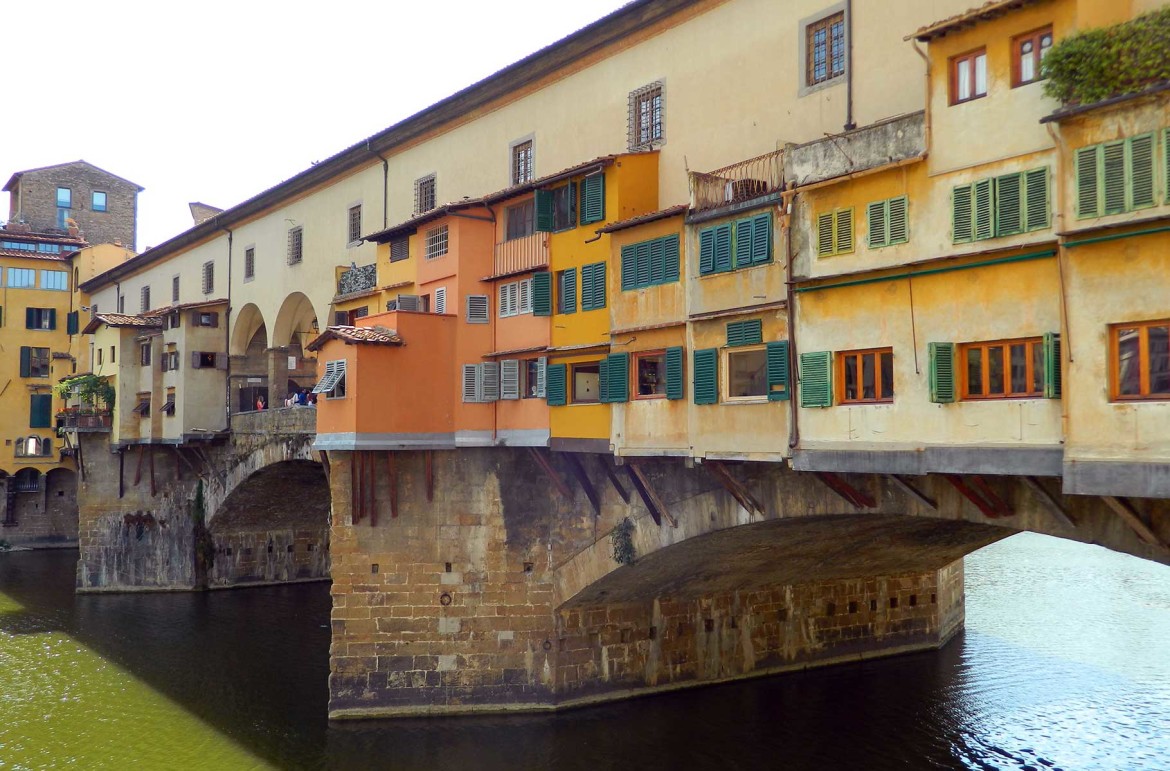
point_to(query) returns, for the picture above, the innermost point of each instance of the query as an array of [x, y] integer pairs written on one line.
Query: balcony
[[738, 182], [520, 254], [88, 421]]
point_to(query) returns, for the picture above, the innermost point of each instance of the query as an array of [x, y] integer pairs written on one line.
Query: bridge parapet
[[282, 421]]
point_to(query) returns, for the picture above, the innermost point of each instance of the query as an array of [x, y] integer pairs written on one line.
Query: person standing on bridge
[[260, 405]]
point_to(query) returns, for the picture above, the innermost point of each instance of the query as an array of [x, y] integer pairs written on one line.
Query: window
[[424, 194], [121, 303], [145, 299], [169, 361], [887, 222], [593, 286], [533, 372], [32, 447], [113, 350], [593, 199], [142, 408], [747, 373], [1141, 360], [515, 298], [652, 262], [399, 249], [477, 309], [441, 300], [522, 162], [352, 316], [34, 362], [1029, 50], [650, 375], [99, 201], [208, 360], [174, 289], [1000, 206], [22, 278], [834, 232], [144, 354], [564, 207], [435, 243], [174, 320], [867, 376], [168, 407], [732, 245], [1115, 177], [520, 220], [825, 49], [64, 198], [1009, 369], [55, 279], [40, 318], [355, 223], [481, 382], [567, 291], [208, 277], [645, 122], [205, 318], [99, 355], [332, 383], [296, 242], [969, 76], [249, 264], [586, 383]]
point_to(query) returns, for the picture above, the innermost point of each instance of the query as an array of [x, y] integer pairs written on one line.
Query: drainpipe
[[385, 184], [1061, 260], [793, 359], [849, 124], [227, 324], [926, 112]]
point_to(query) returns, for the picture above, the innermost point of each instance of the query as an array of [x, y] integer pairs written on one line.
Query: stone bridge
[[249, 506], [490, 579]]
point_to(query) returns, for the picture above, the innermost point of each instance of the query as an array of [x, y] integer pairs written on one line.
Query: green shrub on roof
[[1111, 61]]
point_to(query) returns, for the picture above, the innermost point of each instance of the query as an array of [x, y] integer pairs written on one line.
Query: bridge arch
[[249, 324], [296, 322]]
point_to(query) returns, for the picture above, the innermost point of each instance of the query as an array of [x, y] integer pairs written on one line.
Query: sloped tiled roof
[[121, 320], [986, 12], [642, 219], [183, 307], [60, 257], [357, 336]]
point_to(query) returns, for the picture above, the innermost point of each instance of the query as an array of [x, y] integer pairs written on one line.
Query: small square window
[[523, 162], [747, 373], [521, 220], [64, 198], [969, 76], [1028, 51], [99, 201], [867, 376], [424, 194], [650, 371], [1140, 360], [586, 383], [399, 249], [436, 242]]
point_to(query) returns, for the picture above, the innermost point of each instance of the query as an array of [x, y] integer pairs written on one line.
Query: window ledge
[[745, 400]]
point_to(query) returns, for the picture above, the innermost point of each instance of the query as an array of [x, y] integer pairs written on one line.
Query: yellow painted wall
[[651, 425], [754, 285], [578, 421], [660, 304]]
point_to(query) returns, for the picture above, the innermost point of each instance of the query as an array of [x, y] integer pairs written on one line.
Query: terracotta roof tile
[[642, 219], [183, 307], [62, 257], [985, 12], [357, 335], [121, 320]]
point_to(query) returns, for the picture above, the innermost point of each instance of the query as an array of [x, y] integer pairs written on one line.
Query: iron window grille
[[295, 245], [436, 242], [523, 163], [355, 223], [826, 48], [646, 112], [424, 194]]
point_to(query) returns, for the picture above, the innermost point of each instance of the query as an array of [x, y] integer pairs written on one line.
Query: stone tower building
[[103, 206]]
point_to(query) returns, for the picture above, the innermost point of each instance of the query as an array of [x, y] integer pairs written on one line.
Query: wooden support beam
[[989, 495], [153, 487], [121, 472], [737, 489], [859, 499], [324, 456], [138, 467], [80, 460], [913, 491], [355, 486], [179, 454], [392, 471], [1049, 502], [612, 476], [1125, 510], [429, 463], [583, 479], [649, 495], [988, 508], [550, 472]]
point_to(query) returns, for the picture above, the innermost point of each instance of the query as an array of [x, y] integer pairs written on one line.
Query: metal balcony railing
[[521, 254], [741, 181]]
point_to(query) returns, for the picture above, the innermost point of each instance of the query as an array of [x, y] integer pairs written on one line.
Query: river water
[[1065, 664]]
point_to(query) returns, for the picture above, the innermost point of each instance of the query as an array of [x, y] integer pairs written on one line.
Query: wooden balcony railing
[[86, 421], [521, 254], [741, 181]]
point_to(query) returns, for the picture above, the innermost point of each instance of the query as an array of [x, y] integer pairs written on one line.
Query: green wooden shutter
[[961, 214], [674, 373], [30, 318], [603, 380], [942, 372], [52, 318], [747, 332], [40, 411], [816, 379], [25, 361], [706, 375], [593, 199], [762, 239], [723, 247], [896, 219], [593, 286], [843, 233], [657, 261], [629, 268], [1052, 377], [734, 333], [778, 371], [1141, 171], [554, 385], [1114, 177], [984, 209], [643, 270], [825, 234], [1166, 161], [1036, 197], [542, 294], [707, 251], [568, 291], [618, 368], [1087, 188], [875, 218], [587, 287], [742, 232], [544, 211], [72, 323], [670, 247], [1009, 200]]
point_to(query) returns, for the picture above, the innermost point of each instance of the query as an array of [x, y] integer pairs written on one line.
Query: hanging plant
[[91, 390], [622, 539], [1111, 61]]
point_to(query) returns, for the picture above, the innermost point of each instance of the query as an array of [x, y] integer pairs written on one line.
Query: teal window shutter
[[897, 220], [816, 379], [554, 385], [629, 268], [40, 410], [1087, 162], [1009, 199], [544, 211], [593, 199], [670, 246], [25, 361], [1113, 176], [603, 380], [674, 373], [984, 209], [742, 232], [71, 323], [587, 287], [723, 247], [734, 333], [1141, 171], [1036, 197], [706, 375], [942, 372], [962, 214], [1052, 378], [52, 318], [30, 318], [617, 366], [761, 239], [875, 215], [542, 294], [593, 286], [567, 291], [657, 261], [748, 332], [644, 259], [706, 251], [599, 279], [778, 371]]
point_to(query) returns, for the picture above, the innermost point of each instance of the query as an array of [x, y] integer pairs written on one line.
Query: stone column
[[277, 375]]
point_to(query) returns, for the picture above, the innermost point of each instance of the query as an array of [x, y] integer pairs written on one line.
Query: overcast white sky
[[217, 100]]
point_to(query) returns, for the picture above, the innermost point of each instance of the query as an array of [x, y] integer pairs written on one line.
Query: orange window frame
[[635, 391], [858, 357], [1034, 37], [969, 59], [1144, 380], [1034, 347]]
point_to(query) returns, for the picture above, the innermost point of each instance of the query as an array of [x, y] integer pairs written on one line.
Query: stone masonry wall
[[45, 518], [38, 199]]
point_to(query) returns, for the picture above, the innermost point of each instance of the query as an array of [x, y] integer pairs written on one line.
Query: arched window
[[28, 480]]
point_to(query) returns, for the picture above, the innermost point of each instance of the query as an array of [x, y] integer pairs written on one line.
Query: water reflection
[[1063, 666]]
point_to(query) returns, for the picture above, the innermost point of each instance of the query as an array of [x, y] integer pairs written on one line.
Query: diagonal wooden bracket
[[1049, 502], [429, 465], [543, 461], [906, 487], [859, 499], [578, 470], [980, 494], [737, 489], [1129, 515], [324, 456], [649, 496], [392, 470], [612, 476]]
